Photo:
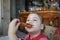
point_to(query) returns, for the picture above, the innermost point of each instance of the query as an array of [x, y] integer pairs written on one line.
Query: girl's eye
[[35, 20], [27, 20]]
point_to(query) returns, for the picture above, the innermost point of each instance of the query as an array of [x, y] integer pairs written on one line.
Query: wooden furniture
[[48, 17]]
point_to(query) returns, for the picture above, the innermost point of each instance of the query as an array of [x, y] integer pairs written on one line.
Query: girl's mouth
[[29, 26], [26, 25]]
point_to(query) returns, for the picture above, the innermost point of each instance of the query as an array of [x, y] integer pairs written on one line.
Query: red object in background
[[57, 31]]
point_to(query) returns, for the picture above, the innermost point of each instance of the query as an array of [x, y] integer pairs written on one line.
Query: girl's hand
[[13, 27]]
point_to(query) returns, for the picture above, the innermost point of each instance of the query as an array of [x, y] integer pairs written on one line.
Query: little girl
[[34, 33]]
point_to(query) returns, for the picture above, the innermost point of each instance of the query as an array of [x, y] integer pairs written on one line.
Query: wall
[[6, 16], [8, 11], [12, 9], [0, 16], [15, 6], [20, 6]]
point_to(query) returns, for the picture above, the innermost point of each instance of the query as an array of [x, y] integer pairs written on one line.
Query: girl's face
[[35, 21]]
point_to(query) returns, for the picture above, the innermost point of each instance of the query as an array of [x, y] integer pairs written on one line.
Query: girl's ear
[[42, 26]]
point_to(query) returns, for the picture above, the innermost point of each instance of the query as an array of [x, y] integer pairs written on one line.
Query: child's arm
[[13, 27]]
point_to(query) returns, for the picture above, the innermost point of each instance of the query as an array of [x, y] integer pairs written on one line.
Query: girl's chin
[[31, 32]]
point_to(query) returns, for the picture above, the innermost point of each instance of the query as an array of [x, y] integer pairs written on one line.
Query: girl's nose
[[30, 22]]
